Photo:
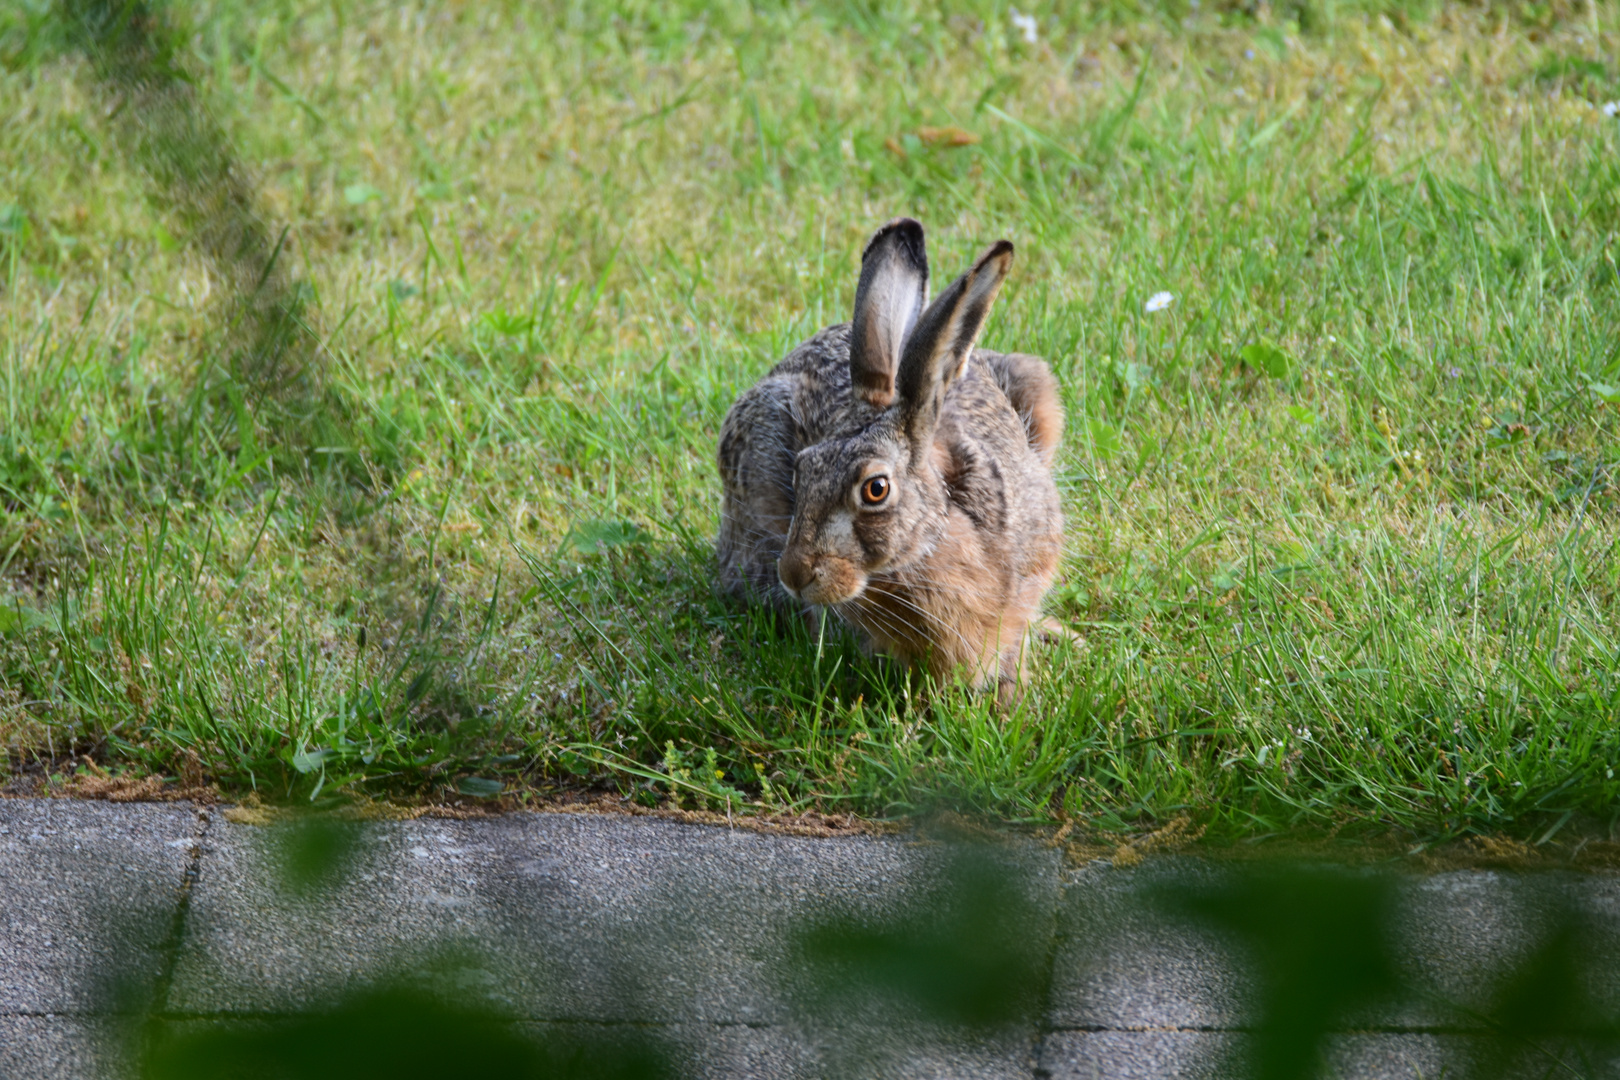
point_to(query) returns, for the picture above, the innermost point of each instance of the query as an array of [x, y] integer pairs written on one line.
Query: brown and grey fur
[[949, 570]]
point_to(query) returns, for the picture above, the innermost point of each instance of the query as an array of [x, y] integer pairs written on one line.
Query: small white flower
[[1158, 302], [1611, 108], [1026, 23]]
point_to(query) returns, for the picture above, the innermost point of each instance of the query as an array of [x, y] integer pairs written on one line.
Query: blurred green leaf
[[307, 761], [596, 537], [1104, 439], [479, 787], [314, 850], [401, 1033], [1318, 942], [1264, 355], [15, 619], [968, 953]]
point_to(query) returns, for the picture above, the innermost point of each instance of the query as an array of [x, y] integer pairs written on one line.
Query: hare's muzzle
[[818, 579], [795, 571]]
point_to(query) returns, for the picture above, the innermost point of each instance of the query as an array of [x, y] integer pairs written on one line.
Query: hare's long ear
[[938, 348], [893, 289]]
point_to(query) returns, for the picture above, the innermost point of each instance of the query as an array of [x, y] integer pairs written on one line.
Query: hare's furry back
[[948, 570]]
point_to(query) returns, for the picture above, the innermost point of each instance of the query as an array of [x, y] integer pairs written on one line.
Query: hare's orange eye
[[875, 490]]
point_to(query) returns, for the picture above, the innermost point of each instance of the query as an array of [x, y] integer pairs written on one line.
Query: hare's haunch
[[888, 470]]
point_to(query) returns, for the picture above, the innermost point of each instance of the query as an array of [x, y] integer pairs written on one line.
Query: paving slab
[[793, 1051], [714, 1051], [88, 894], [545, 916], [62, 1048], [1460, 933], [1206, 1055], [589, 919], [1120, 964], [1140, 1055], [1123, 964]]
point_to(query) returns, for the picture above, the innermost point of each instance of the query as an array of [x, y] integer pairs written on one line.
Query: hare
[[890, 472]]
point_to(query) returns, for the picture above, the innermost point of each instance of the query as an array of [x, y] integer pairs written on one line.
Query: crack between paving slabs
[[175, 938], [578, 1021], [1215, 1029], [1054, 943]]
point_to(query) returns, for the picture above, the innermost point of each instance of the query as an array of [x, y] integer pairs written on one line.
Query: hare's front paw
[[1050, 631]]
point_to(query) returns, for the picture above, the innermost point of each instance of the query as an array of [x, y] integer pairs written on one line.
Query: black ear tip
[[904, 233], [1001, 249], [911, 227]]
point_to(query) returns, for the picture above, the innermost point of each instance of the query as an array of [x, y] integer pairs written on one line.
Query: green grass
[[1342, 520]]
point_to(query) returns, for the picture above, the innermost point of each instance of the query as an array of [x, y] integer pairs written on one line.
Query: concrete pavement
[[559, 922]]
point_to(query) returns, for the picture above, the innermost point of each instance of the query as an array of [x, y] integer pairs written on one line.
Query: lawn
[[362, 366]]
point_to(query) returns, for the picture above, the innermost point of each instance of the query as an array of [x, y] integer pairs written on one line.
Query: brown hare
[[890, 472]]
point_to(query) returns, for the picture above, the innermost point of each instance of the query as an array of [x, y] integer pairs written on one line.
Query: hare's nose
[[795, 572]]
